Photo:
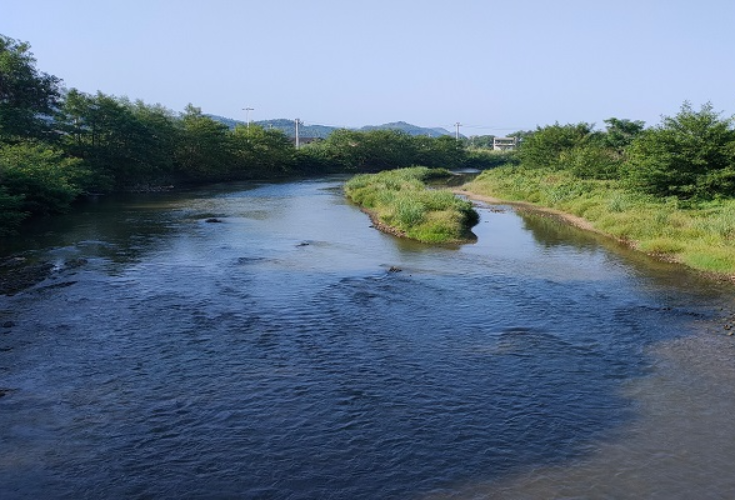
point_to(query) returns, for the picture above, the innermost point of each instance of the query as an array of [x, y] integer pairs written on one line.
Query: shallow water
[[275, 355]]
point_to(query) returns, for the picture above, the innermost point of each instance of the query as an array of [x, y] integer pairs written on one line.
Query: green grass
[[400, 200], [699, 235]]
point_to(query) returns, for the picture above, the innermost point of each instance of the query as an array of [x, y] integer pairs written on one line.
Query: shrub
[[688, 156], [46, 180], [11, 212], [400, 199]]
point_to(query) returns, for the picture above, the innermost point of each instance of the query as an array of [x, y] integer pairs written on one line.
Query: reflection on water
[[275, 355]]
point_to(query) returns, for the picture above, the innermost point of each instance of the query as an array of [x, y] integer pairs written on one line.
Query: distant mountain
[[288, 127], [409, 129]]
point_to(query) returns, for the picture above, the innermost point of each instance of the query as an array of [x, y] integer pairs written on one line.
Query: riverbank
[[701, 237], [524, 205]]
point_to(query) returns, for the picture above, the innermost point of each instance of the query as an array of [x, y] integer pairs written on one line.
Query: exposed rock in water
[[17, 273]]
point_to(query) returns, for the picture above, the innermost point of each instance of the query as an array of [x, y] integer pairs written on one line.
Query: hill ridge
[[323, 131]]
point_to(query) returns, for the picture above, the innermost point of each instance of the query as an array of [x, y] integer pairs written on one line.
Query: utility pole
[[247, 116], [456, 133], [298, 122]]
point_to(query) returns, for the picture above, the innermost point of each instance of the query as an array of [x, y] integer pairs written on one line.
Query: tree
[[27, 96], [204, 150], [11, 211], [116, 138], [440, 152], [481, 142], [42, 179], [159, 140], [260, 152], [592, 160], [691, 155], [546, 146], [621, 133]]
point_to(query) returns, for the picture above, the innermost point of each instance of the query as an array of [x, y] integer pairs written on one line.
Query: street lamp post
[[247, 116]]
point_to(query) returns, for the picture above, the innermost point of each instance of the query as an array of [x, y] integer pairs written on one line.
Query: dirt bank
[[584, 224], [571, 219]]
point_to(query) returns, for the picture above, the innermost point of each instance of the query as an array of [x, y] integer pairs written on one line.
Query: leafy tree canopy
[[27, 96], [545, 147], [621, 132], [690, 155]]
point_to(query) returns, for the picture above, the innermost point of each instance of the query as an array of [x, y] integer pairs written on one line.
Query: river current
[[288, 350]]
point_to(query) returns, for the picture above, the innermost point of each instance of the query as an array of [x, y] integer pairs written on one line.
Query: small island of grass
[[399, 202]]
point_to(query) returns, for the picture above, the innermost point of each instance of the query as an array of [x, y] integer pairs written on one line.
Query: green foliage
[[123, 143], [546, 146], [481, 142], [700, 235], [42, 179], [11, 211], [591, 161], [130, 145], [260, 152], [483, 159], [691, 155], [440, 152], [399, 199], [376, 150], [313, 159], [204, 150], [26, 94], [621, 133]]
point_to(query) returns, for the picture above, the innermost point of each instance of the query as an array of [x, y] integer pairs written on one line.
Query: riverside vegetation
[[399, 202], [58, 145], [668, 191]]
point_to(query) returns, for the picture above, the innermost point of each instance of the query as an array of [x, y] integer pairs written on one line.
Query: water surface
[[275, 354]]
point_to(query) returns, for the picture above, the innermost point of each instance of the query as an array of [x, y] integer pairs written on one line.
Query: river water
[[291, 351]]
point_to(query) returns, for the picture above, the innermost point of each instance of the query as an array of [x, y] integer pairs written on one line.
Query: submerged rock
[[17, 274]]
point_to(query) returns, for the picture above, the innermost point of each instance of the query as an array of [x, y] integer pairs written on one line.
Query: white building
[[504, 143]]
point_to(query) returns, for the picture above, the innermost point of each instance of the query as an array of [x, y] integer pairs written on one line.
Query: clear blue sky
[[494, 66]]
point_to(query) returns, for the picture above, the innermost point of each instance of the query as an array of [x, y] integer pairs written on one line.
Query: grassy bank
[[699, 235], [399, 202]]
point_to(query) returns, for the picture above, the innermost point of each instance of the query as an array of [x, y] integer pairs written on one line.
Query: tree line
[[690, 156], [59, 144]]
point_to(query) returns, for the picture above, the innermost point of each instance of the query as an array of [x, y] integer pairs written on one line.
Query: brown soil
[[569, 218]]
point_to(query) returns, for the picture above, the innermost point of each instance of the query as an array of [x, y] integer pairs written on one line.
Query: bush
[[484, 159], [11, 212], [400, 199], [42, 178], [591, 161], [691, 155], [544, 148]]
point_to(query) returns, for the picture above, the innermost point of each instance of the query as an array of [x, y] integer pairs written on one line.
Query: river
[[291, 351]]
